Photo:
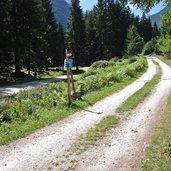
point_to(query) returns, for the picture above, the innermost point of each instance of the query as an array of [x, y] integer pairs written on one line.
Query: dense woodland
[[31, 38]]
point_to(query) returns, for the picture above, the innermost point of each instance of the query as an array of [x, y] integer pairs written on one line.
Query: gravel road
[[124, 148], [41, 147], [9, 90]]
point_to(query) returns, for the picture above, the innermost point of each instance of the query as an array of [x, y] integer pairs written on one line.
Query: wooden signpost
[[68, 62]]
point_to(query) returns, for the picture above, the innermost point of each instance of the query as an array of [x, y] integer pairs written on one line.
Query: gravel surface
[[124, 148], [9, 90], [40, 148]]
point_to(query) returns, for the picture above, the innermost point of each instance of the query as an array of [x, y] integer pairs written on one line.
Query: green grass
[[158, 155], [49, 106], [51, 74], [95, 133], [140, 95], [165, 60], [18, 129]]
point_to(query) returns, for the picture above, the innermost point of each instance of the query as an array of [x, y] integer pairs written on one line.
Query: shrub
[[100, 64], [149, 47], [132, 59], [164, 45], [114, 72], [26, 103]]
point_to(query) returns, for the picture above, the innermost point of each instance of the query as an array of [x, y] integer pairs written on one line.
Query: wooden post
[[72, 81], [69, 88]]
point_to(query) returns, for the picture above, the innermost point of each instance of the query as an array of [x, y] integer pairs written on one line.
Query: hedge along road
[[43, 146]]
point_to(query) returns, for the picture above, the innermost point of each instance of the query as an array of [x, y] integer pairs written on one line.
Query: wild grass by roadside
[[140, 95], [23, 113], [94, 134], [158, 155], [165, 60], [51, 74]]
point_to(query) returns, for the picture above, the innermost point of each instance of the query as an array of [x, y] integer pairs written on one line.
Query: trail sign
[[68, 66], [68, 63]]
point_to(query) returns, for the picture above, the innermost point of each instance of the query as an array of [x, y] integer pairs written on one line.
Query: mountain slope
[[157, 17], [61, 10]]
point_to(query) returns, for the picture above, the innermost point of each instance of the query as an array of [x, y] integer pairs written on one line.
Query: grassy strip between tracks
[[158, 155], [27, 111], [140, 95], [95, 133]]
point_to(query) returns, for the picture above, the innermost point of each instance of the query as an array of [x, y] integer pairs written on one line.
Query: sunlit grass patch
[[95, 133], [158, 155]]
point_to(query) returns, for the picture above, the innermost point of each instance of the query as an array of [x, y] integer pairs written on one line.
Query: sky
[[88, 5]]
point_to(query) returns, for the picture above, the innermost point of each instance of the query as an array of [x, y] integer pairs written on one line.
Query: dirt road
[[6, 91], [122, 150], [9, 90]]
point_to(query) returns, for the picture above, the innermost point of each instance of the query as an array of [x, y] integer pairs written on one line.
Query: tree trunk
[[76, 63], [16, 39], [17, 61]]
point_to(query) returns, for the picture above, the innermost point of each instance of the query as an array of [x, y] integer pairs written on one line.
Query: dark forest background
[[31, 38]]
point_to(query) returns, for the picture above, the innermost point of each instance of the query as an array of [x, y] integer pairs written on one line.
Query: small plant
[[149, 47], [168, 149], [132, 59], [100, 64], [95, 133], [158, 153]]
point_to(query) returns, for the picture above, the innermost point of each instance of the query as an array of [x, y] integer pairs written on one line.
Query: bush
[[164, 46], [149, 47], [132, 59], [26, 103], [99, 64], [114, 72]]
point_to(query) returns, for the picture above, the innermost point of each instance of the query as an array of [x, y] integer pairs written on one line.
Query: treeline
[[109, 30], [30, 37]]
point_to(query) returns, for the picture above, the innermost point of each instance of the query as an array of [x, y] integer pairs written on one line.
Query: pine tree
[[155, 30], [117, 28], [54, 35], [166, 21], [76, 31], [92, 47], [28, 33], [16, 25], [32, 35], [5, 34], [107, 26], [145, 29], [134, 42], [101, 26]]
